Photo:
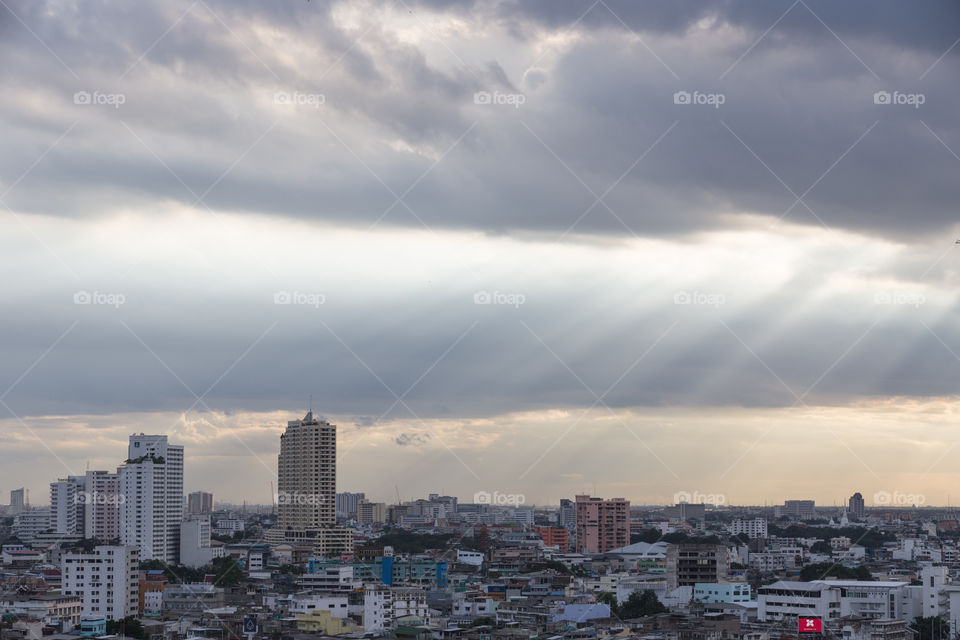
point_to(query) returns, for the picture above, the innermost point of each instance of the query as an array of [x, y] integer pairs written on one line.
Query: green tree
[[605, 597], [641, 604], [931, 628], [821, 546], [647, 535], [227, 572], [823, 570]]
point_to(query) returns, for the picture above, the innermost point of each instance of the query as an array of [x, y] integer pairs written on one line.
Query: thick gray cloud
[[398, 117], [201, 96]]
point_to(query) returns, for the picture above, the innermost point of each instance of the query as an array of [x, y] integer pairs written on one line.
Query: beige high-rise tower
[[307, 488], [307, 475]]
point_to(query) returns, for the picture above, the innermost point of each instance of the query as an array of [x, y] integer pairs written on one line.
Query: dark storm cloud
[[399, 117], [201, 96]]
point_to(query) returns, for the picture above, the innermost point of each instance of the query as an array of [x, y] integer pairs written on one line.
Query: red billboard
[[810, 625]]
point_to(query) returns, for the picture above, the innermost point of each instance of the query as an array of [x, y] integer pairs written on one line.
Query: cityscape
[[479, 320]]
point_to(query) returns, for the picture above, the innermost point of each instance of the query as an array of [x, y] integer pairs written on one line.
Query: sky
[[540, 248]]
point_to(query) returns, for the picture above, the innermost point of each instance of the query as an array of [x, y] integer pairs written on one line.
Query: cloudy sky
[[535, 246]]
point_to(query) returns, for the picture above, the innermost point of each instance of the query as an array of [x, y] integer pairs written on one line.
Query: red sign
[[810, 625]]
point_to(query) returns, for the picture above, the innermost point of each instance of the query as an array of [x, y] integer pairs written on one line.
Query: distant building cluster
[[129, 545]]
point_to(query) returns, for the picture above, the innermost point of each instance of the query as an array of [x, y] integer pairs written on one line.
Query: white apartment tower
[[151, 483], [67, 500], [105, 580]]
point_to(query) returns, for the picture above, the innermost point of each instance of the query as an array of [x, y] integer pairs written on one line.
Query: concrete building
[[347, 504], [151, 482], [192, 598], [102, 502], [106, 580], [803, 509], [59, 611], [856, 506], [831, 599], [31, 522], [195, 548], [307, 487], [713, 593], [683, 511], [371, 512], [784, 600], [377, 608], [18, 501], [555, 537], [567, 514], [200, 502], [752, 528], [67, 505], [602, 525], [688, 564]]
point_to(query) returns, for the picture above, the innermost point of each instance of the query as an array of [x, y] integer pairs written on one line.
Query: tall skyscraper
[[102, 506], [67, 502], [347, 504], [200, 502], [602, 525], [307, 475], [151, 482], [856, 505], [567, 514], [18, 502], [307, 488]]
